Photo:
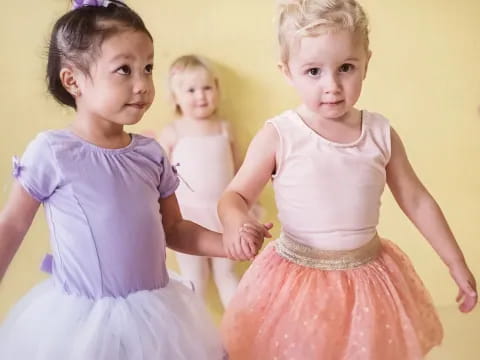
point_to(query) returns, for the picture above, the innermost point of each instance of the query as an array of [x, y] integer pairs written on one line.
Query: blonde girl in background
[[330, 287], [202, 145]]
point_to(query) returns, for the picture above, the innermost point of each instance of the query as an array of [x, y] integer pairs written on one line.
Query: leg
[[195, 269], [225, 278]]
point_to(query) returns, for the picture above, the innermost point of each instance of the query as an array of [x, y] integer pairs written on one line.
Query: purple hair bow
[[80, 3]]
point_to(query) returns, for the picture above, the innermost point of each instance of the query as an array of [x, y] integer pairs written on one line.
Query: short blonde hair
[[184, 64], [305, 18]]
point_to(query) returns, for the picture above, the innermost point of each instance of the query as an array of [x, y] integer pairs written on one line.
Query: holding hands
[[243, 237]]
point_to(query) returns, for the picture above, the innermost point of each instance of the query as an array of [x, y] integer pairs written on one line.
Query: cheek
[[214, 98], [152, 92]]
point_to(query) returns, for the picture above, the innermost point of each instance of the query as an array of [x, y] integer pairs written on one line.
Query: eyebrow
[[316, 64], [127, 57]]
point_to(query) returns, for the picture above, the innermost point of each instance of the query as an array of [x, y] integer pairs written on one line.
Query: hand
[[243, 238], [252, 237], [467, 288]]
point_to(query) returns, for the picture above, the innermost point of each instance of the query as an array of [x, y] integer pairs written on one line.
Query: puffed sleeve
[[169, 180], [37, 170]]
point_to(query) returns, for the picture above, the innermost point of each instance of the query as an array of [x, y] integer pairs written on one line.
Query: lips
[[138, 105], [331, 102]]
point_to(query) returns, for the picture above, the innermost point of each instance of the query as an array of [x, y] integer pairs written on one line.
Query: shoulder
[[376, 119], [149, 148], [283, 120], [168, 136], [379, 132], [266, 140], [45, 142], [170, 130]]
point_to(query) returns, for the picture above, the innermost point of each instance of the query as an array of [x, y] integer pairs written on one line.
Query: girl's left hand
[[467, 288]]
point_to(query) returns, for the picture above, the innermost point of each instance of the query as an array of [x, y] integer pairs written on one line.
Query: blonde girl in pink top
[[200, 142], [330, 287]]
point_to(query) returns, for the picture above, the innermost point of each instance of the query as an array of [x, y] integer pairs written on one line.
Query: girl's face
[[328, 72], [195, 92], [119, 87]]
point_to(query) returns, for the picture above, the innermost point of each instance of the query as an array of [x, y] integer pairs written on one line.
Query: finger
[[238, 251], [471, 288], [459, 295], [266, 228], [252, 227], [468, 303], [248, 248], [253, 247], [251, 242], [252, 231]]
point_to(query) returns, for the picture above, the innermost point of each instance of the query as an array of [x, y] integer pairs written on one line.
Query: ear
[[369, 55], [285, 71], [69, 79]]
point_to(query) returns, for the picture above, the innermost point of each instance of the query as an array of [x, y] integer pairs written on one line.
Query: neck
[[311, 117], [204, 120], [102, 133]]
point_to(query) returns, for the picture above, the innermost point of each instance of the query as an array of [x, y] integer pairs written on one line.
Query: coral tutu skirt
[[370, 305], [169, 323]]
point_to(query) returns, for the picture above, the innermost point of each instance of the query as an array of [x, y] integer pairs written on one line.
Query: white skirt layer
[[165, 324]]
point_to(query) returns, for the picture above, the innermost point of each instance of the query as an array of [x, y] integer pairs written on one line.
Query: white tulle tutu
[[165, 324]]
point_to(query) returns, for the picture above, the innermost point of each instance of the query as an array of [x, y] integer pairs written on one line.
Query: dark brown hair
[[77, 37]]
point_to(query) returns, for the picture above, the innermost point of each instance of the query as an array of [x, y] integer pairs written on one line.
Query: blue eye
[[149, 68], [346, 68], [124, 70]]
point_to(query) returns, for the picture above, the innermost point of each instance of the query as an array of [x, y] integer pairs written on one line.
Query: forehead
[[331, 46], [192, 76], [127, 44]]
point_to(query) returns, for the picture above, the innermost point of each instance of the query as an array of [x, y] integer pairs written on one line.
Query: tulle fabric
[[168, 323], [378, 311]]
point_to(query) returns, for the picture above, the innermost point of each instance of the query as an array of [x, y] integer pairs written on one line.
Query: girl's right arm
[[15, 220], [241, 194]]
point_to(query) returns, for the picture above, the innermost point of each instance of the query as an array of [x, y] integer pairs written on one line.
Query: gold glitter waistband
[[326, 259]]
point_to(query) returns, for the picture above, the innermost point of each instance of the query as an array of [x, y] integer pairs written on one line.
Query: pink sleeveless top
[[327, 193], [206, 167]]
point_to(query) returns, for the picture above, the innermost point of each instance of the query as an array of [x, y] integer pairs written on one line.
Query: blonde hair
[[186, 63], [303, 18]]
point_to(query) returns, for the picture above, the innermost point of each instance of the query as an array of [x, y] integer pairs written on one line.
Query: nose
[[330, 83], [143, 84], [200, 95]]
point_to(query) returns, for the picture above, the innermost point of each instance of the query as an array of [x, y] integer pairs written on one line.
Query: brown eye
[[124, 70], [314, 71], [149, 68], [346, 68]]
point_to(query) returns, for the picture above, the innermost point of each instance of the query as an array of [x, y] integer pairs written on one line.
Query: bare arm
[[420, 207], [186, 236], [243, 191], [15, 220]]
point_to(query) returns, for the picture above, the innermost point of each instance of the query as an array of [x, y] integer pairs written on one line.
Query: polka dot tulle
[[285, 311]]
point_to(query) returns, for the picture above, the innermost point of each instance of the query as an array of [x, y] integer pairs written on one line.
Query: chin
[[132, 121], [203, 114]]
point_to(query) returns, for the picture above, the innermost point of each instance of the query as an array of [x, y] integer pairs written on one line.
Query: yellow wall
[[424, 76]]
